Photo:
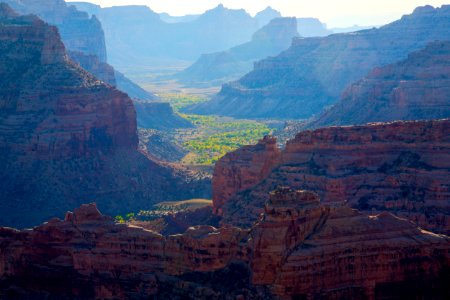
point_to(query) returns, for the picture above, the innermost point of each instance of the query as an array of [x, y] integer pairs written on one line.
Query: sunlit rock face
[[417, 88], [313, 72], [67, 137], [401, 167], [300, 247]]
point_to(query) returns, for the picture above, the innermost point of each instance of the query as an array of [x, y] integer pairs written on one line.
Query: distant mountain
[[312, 27], [159, 116], [417, 88], [218, 68], [265, 16], [136, 35], [313, 72], [350, 29], [177, 19]]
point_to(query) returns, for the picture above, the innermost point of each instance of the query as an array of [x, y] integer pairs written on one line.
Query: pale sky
[[336, 13]]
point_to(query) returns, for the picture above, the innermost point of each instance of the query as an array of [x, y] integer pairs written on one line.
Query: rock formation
[[313, 72], [303, 249], [401, 167], [218, 68], [417, 88], [299, 249], [67, 137]]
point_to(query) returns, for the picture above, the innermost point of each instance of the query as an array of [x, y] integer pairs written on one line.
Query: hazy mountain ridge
[[313, 72], [417, 88], [217, 68]]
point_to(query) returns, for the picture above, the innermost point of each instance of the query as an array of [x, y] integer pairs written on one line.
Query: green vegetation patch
[[179, 101], [220, 136]]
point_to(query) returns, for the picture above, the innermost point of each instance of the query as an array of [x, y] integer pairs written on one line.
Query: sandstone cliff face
[[66, 136], [314, 72], [400, 167], [299, 248], [414, 89], [243, 169], [304, 249]]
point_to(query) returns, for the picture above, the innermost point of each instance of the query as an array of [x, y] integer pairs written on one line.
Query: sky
[[336, 13]]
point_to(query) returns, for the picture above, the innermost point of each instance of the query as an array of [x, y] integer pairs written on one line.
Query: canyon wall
[[417, 88], [67, 137], [401, 167], [300, 248], [312, 74]]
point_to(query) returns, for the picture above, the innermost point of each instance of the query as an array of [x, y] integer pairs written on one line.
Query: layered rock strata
[[67, 137], [298, 249], [401, 167], [312, 74], [417, 88]]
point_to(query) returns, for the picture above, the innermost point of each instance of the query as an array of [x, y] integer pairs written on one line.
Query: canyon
[[217, 68], [400, 167], [312, 74], [67, 137], [417, 88], [87, 256]]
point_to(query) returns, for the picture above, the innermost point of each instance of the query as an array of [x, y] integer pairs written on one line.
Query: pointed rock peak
[[6, 11], [86, 213]]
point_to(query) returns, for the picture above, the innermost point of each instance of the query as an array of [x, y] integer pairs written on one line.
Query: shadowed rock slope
[[299, 249], [400, 167], [417, 88], [159, 115], [218, 68], [84, 39], [313, 72], [65, 136]]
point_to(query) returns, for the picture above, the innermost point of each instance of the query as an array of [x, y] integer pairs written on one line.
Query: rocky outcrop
[[159, 116], [299, 248], [220, 67], [417, 88], [313, 72], [161, 145], [243, 169], [66, 136], [304, 249], [400, 167]]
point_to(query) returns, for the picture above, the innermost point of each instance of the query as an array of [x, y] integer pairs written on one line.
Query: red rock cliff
[[299, 248], [400, 167], [242, 169], [66, 137]]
